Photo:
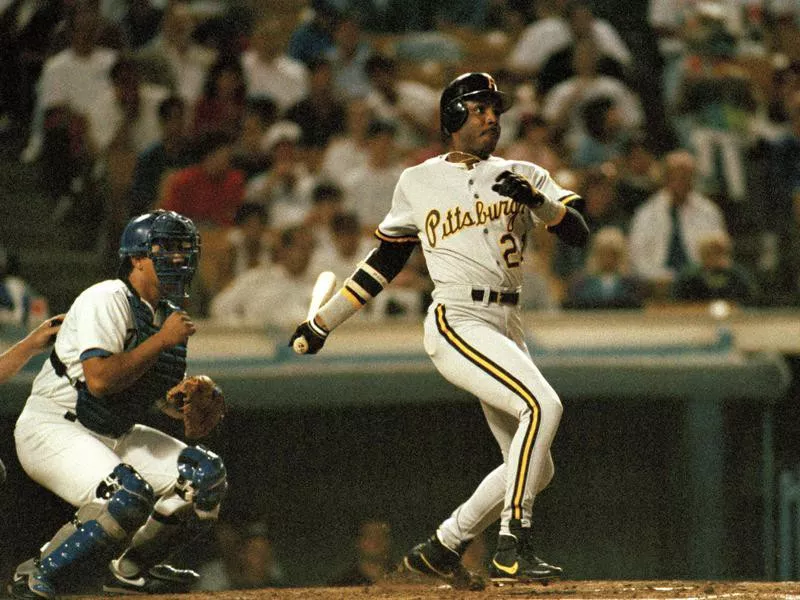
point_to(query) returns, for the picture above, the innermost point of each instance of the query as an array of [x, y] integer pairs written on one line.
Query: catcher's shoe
[[432, 557], [160, 579], [515, 562], [29, 583]]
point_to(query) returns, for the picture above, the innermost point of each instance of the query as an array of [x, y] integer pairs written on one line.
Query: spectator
[[25, 32], [127, 114], [258, 566], [285, 189], [535, 144], [313, 38], [348, 245], [716, 276], [604, 135], [319, 115], [209, 191], [543, 36], [249, 154], [369, 188], [348, 149], [562, 107], [349, 59], [327, 200], [638, 174], [246, 560], [251, 298], [68, 90], [165, 155], [601, 210], [412, 105], [173, 59], [545, 49], [221, 106], [605, 282], [666, 230], [140, 23], [372, 560], [249, 245], [717, 103], [126, 123], [269, 70]]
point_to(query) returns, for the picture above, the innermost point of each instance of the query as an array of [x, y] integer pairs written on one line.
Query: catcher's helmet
[[165, 237], [453, 112]]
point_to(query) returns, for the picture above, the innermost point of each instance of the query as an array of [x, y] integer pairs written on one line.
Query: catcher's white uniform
[[54, 448], [473, 241]]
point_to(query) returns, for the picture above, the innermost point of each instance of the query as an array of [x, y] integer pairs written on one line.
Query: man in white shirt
[[275, 295], [74, 78], [269, 71], [658, 247], [557, 30], [173, 60], [368, 188]]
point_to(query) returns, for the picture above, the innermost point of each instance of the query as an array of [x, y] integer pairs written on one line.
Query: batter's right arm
[[373, 274]]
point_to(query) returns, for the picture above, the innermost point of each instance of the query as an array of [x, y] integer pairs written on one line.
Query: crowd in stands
[[281, 131]]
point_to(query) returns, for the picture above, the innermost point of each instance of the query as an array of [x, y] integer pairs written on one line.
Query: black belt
[[512, 298]]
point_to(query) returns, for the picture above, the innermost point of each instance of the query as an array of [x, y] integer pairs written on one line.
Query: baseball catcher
[[139, 494]]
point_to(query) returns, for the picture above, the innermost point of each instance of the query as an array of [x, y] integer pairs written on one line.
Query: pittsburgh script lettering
[[455, 219]]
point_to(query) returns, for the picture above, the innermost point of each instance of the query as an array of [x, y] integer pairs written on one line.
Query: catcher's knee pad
[[130, 497], [202, 479]]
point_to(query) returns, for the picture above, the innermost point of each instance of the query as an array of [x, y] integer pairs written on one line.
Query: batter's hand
[[315, 340], [177, 329], [519, 189]]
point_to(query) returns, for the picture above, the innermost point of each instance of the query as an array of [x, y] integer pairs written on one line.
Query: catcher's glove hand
[[519, 189], [201, 404]]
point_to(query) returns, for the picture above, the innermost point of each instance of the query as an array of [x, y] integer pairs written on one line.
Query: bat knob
[[300, 345]]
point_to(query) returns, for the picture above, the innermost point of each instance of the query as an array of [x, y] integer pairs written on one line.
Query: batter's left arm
[[373, 274], [572, 228]]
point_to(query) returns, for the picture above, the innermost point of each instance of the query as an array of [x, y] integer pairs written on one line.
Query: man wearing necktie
[[666, 230]]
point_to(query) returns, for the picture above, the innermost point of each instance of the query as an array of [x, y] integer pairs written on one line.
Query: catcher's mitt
[[201, 404]]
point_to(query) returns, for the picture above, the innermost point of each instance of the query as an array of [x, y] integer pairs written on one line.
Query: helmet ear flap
[[454, 116]]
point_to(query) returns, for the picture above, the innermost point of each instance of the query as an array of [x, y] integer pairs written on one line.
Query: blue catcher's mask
[[171, 241]]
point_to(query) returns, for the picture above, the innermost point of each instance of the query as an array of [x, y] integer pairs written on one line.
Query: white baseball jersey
[[473, 241], [470, 234], [53, 447]]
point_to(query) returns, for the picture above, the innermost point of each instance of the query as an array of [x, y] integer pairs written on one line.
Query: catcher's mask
[[171, 241], [469, 86]]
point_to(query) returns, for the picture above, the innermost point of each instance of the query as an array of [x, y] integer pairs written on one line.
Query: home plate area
[[571, 590]]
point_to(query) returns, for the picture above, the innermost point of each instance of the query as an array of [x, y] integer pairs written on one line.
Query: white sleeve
[[51, 88], [103, 320], [610, 43], [399, 222]]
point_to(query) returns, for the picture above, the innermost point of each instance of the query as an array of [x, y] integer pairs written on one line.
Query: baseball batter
[[121, 346], [471, 212]]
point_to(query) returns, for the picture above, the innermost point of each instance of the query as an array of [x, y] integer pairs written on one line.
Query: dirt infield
[[570, 590]]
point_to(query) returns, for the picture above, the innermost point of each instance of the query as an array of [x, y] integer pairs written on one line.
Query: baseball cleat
[[160, 579], [433, 558], [515, 562], [29, 583]]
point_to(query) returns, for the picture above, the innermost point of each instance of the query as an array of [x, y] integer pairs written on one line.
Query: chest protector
[[114, 414]]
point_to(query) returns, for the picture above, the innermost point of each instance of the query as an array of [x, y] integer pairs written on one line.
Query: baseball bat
[[324, 288]]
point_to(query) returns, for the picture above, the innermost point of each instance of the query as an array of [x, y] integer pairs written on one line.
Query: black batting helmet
[[453, 113]]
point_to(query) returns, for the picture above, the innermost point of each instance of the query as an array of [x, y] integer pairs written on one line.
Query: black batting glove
[[315, 337], [519, 189]]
